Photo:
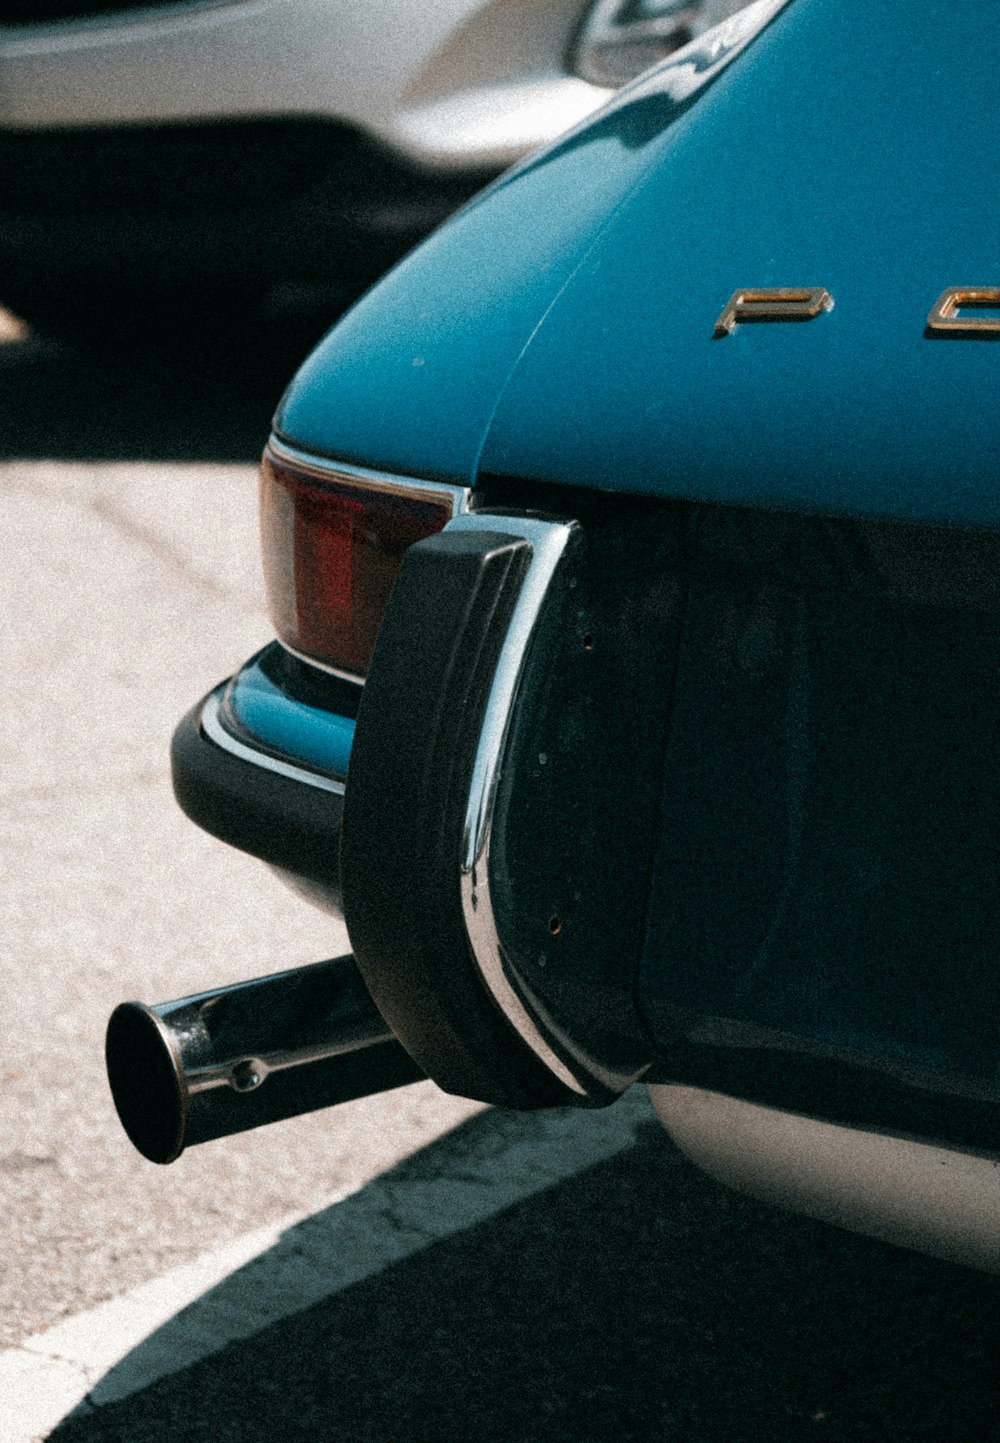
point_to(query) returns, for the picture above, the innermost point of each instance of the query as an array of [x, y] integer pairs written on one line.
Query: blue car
[[633, 551]]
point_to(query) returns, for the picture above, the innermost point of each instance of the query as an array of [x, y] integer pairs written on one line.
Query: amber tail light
[[332, 543]]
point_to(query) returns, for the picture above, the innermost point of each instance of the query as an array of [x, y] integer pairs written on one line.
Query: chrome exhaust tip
[[220, 1062]]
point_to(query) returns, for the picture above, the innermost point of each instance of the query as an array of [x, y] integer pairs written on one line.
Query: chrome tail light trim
[[211, 725]]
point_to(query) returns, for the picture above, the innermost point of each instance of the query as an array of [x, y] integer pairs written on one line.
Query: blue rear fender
[[562, 328]]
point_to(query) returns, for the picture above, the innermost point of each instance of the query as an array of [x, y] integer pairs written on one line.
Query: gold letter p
[[798, 303]]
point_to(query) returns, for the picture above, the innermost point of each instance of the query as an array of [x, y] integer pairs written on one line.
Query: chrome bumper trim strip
[[211, 725]]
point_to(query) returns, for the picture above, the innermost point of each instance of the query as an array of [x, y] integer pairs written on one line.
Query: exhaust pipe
[[221, 1062]]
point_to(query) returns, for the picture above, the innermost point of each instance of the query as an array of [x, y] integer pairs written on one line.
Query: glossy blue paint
[[561, 328], [408, 380], [266, 714], [849, 148]]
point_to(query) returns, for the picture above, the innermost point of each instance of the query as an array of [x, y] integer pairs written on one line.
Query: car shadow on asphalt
[[209, 401], [636, 1300]]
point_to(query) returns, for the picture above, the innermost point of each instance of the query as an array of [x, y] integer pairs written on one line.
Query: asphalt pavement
[[410, 1266], [129, 589]]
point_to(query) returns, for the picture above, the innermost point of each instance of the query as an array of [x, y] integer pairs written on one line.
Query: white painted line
[[161, 1327]]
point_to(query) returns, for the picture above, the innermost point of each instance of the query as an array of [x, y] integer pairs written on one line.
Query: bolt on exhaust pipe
[[221, 1062]]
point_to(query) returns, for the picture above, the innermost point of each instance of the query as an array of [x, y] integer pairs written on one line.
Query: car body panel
[[904, 1191], [409, 379], [625, 242], [465, 84], [410, 376], [850, 173], [171, 171]]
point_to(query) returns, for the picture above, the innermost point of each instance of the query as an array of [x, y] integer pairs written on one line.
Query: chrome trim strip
[[548, 542], [612, 28], [324, 469], [211, 725], [353, 677]]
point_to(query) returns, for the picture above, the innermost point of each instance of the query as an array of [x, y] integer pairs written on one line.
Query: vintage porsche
[[633, 551]]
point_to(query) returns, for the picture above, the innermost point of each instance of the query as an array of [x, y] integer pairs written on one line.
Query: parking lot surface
[[128, 590]]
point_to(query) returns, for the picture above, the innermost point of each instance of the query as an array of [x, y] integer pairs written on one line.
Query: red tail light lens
[[333, 541]]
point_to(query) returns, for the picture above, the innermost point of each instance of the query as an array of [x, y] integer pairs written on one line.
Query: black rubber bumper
[[284, 822], [419, 722]]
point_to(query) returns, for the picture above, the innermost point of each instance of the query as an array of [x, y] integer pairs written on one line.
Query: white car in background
[[166, 160]]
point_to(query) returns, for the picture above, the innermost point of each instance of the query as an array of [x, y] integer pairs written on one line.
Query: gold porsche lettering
[[787, 303], [946, 314], [953, 313]]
